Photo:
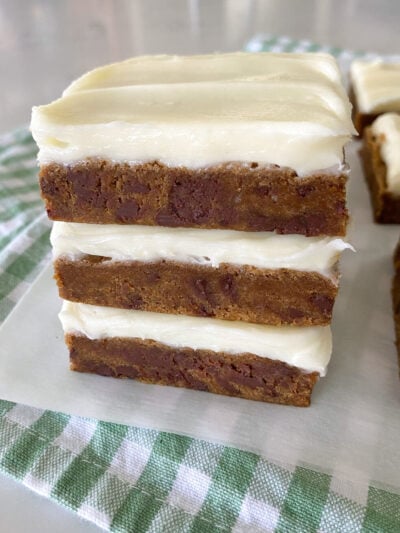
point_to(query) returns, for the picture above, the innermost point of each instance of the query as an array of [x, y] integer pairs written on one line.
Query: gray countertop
[[46, 44]]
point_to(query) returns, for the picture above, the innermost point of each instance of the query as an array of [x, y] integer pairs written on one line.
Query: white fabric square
[[19, 290], [256, 517], [129, 461], [23, 415], [358, 492], [38, 485], [189, 489], [76, 436]]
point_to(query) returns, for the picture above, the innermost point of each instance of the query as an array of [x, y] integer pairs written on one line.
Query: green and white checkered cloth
[[130, 479]]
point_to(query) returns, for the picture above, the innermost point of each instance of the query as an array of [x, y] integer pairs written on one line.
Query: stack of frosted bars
[[200, 206]]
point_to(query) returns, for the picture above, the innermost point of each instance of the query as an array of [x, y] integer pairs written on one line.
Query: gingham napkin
[[130, 479]]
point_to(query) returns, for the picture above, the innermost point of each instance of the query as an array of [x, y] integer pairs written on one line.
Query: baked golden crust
[[244, 375]]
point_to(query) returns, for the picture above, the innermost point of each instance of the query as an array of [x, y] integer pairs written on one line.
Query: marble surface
[[45, 44]]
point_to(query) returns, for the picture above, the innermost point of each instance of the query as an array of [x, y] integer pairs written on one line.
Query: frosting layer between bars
[[306, 348], [376, 86], [199, 246], [283, 109], [387, 129]]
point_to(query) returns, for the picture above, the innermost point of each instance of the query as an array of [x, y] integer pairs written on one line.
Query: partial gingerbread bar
[[396, 298], [375, 89], [255, 277], [249, 142], [381, 162], [279, 365]]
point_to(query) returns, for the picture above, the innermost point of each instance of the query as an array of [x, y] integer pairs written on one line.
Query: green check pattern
[[130, 479]]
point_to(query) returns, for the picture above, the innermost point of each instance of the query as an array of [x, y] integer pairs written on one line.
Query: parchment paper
[[352, 428]]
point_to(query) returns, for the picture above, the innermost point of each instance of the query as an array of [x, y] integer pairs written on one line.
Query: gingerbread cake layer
[[231, 292], [385, 204], [244, 375], [229, 196]]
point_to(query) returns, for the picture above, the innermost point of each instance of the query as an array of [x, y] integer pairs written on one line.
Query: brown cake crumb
[[227, 196], [243, 375], [229, 292]]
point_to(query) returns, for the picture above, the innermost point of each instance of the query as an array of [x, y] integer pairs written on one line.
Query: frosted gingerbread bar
[[266, 363], [375, 89], [249, 142], [258, 277], [380, 155], [396, 298]]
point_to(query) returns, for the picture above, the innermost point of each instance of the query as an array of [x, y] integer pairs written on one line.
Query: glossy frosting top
[[284, 109], [376, 85]]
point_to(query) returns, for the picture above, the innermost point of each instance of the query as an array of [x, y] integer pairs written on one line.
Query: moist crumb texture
[[244, 375], [250, 294], [228, 196], [385, 205]]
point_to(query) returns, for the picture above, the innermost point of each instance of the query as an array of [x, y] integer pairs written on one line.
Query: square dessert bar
[[249, 142], [258, 277], [375, 89], [266, 363], [199, 206], [381, 161]]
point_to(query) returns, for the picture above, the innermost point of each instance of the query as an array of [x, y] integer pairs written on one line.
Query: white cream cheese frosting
[[387, 128], [201, 246], [198, 111], [306, 348], [376, 86]]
